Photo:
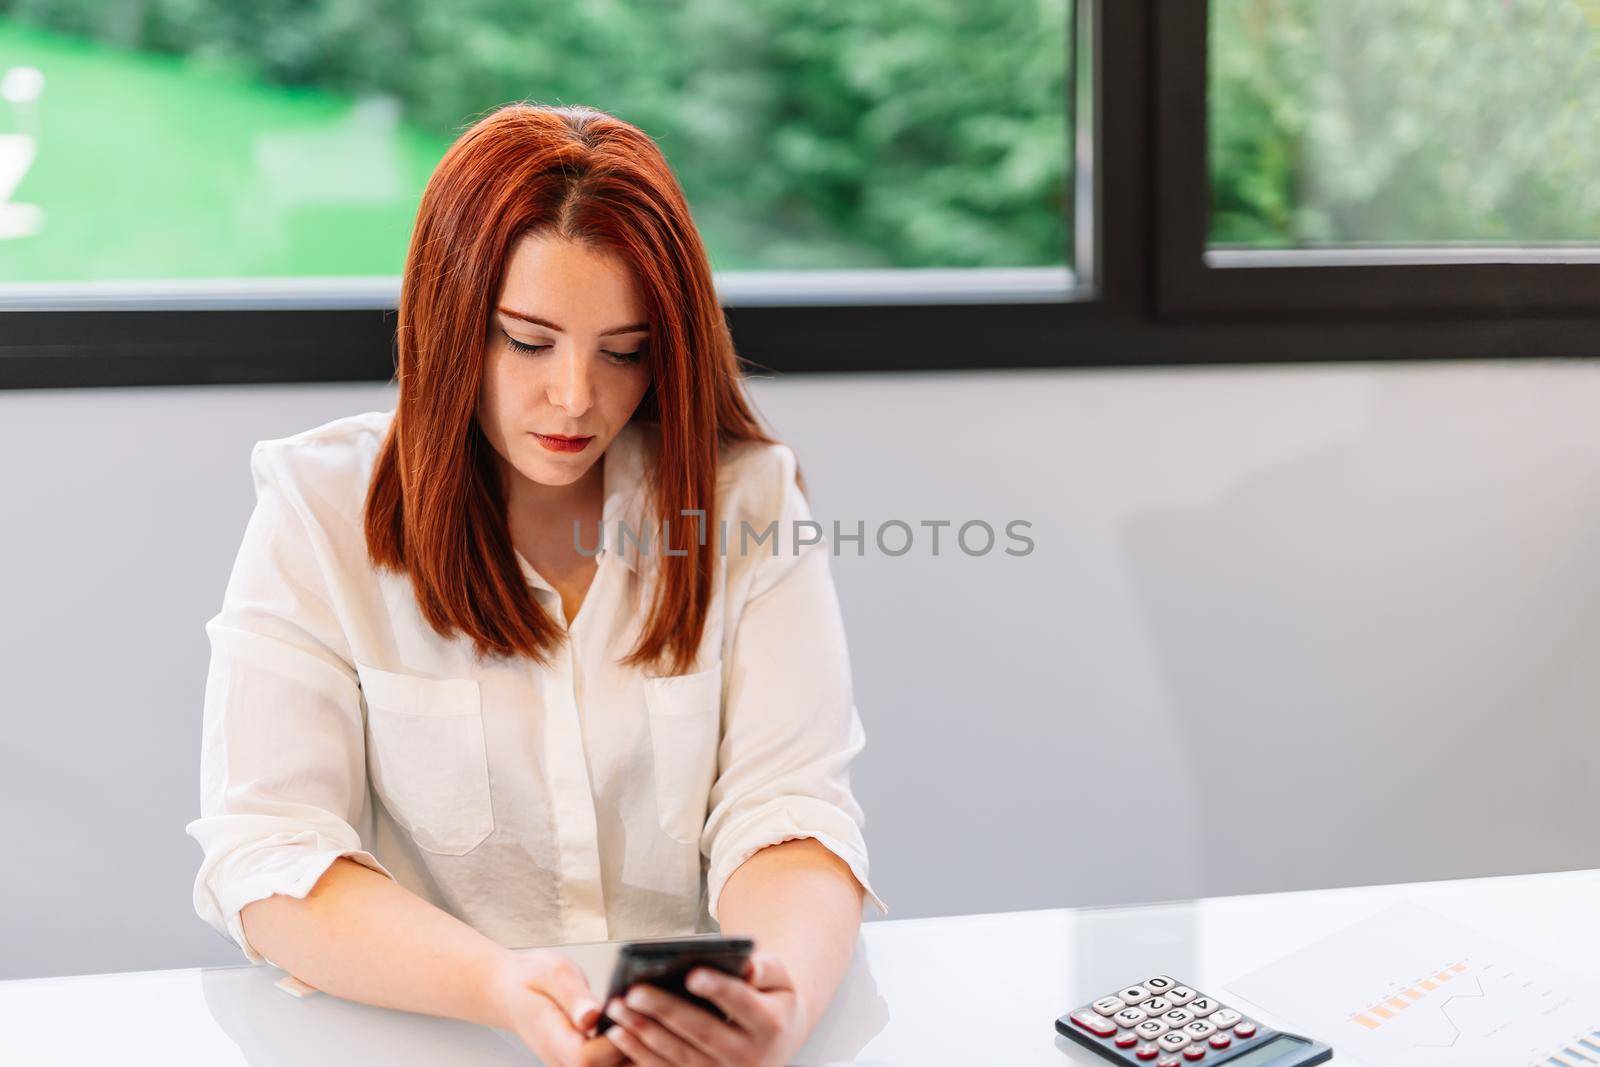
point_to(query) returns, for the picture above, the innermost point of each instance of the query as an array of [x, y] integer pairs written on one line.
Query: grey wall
[[1281, 628]]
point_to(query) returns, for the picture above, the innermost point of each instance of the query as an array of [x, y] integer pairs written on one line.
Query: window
[[912, 185], [217, 154], [1404, 124], [1395, 157]]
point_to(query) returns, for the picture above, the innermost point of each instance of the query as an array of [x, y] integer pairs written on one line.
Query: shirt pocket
[[685, 728], [427, 757]]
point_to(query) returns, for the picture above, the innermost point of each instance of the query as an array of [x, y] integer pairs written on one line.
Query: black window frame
[[1146, 296], [1195, 280]]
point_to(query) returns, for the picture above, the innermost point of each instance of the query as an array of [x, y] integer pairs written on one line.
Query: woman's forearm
[[800, 902], [360, 936]]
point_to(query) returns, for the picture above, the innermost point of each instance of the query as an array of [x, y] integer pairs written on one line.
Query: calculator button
[[1203, 1006], [1147, 1052], [1157, 1005], [1220, 1040], [1151, 1029], [1127, 1039], [1169, 1061], [1224, 1018], [1173, 1040], [1199, 1030], [1180, 995], [1134, 994], [1096, 1024], [1177, 1017], [1194, 1052], [1159, 984], [1130, 1016], [1108, 1005], [1244, 1030]]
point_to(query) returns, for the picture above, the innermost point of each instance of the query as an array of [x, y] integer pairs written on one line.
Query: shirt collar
[[622, 485]]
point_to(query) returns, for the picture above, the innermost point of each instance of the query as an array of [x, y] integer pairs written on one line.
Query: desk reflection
[[273, 1029], [857, 1014]]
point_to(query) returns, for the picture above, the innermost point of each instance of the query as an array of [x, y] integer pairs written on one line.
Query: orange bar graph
[[1373, 1016]]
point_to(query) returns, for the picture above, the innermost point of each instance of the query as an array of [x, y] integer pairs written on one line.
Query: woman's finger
[[598, 1052], [548, 1031], [631, 1045], [740, 1000], [769, 972], [656, 1037], [557, 977], [718, 1040]]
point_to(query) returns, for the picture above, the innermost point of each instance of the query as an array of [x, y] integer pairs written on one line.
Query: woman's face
[[582, 371]]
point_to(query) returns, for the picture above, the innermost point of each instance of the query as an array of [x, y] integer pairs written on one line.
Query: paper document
[[1408, 987]]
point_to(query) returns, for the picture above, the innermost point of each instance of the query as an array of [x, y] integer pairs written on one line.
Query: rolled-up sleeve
[[282, 762], [791, 728]]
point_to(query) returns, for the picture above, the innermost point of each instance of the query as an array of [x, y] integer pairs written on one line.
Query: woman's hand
[[656, 1029], [544, 999]]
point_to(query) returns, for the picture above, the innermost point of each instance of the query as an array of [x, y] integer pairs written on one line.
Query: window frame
[[1145, 295], [1196, 280]]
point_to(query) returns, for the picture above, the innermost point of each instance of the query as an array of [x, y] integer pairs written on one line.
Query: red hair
[[435, 508]]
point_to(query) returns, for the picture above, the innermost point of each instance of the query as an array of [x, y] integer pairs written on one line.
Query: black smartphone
[[666, 962]]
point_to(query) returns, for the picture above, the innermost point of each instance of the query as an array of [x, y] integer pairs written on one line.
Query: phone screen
[[666, 964]]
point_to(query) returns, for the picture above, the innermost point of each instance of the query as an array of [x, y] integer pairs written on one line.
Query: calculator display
[[1267, 1053]]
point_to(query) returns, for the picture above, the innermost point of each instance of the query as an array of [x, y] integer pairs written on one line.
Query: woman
[[440, 722]]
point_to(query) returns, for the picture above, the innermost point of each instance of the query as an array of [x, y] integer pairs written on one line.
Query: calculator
[[1164, 1023]]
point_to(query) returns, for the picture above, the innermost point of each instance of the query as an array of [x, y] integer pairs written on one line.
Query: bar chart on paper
[[1408, 987], [1468, 1003]]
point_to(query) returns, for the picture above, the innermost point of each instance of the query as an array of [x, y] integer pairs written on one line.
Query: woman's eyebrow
[[636, 327]]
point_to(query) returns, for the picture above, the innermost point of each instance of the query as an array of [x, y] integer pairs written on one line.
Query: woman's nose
[[571, 389]]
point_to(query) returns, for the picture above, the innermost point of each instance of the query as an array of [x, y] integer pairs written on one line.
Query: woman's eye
[[522, 346], [623, 358]]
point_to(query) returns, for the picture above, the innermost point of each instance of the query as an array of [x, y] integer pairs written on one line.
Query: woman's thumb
[[562, 981]]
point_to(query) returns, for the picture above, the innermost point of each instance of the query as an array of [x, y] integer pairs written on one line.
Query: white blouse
[[543, 806]]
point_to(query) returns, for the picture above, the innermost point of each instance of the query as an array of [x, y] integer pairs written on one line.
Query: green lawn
[[156, 167]]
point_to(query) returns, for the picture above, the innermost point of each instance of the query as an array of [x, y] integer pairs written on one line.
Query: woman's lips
[[563, 444]]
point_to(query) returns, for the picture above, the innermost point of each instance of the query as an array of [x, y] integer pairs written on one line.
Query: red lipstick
[[557, 443]]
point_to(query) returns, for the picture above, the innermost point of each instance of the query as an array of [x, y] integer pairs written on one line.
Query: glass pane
[[1404, 122], [209, 139]]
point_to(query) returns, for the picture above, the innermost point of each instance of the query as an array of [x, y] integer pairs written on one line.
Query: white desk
[[967, 990]]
